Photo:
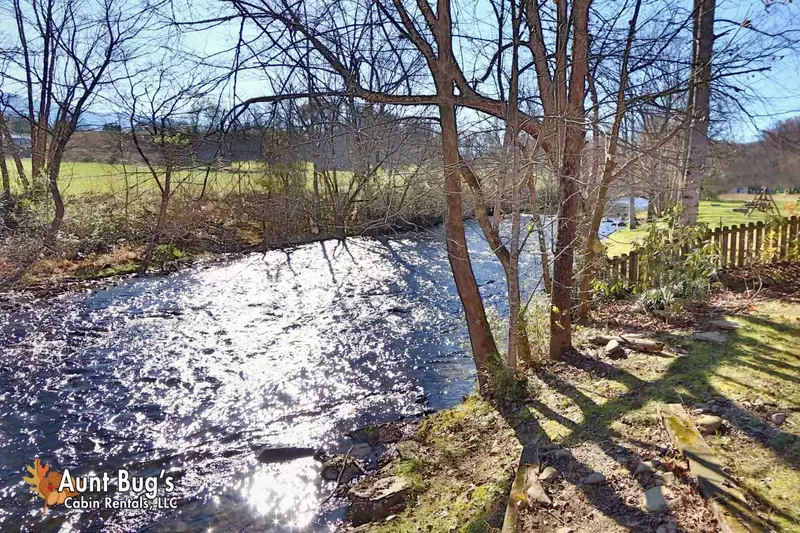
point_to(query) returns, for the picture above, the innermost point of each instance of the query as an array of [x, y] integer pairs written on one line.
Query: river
[[193, 372]]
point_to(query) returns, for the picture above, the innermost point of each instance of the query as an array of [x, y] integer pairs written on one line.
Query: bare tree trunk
[[5, 176], [569, 204], [480, 334], [58, 201], [162, 217], [608, 168], [518, 345], [680, 181], [698, 143], [632, 224], [539, 228], [11, 148]]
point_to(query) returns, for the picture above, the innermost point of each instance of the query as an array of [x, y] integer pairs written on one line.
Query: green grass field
[[78, 177], [717, 213]]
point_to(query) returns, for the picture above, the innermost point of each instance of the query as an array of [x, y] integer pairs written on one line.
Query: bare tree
[[700, 108], [65, 51], [160, 104]]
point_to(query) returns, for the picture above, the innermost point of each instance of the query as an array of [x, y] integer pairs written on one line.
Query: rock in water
[[278, 455], [654, 499], [548, 474], [708, 425], [595, 478], [779, 418], [361, 450], [376, 498], [333, 468]]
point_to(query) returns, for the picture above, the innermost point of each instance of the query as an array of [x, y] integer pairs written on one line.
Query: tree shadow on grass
[[687, 379]]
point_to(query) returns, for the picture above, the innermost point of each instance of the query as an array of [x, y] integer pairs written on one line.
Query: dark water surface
[[191, 373]]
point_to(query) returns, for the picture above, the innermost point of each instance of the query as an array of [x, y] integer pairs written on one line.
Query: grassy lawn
[[589, 402], [78, 177], [717, 213]]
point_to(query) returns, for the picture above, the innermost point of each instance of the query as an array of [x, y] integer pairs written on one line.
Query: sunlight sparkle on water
[[288, 491]]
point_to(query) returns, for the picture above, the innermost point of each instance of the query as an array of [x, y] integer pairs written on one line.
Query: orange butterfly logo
[[45, 482]]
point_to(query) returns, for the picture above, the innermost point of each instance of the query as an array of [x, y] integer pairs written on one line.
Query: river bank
[[593, 421], [49, 276]]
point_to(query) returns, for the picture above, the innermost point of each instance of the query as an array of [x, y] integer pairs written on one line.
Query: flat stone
[[595, 478], [536, 493], [710, 336], [565, 530], [548, 474], [654, 498], [335, 467], [614, 350], [646, 466], [361, 450], [563, 453], [672, 525], [662, 529], [377, 499], [725, 324], [283, 454], [668, 478], [709, 424], [778, 418]]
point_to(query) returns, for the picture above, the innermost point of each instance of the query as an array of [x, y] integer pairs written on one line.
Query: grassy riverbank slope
[[591, 414]]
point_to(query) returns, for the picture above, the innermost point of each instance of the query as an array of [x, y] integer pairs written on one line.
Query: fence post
[[751, 242], [783, 235], [633, 268], [732, 244], [742, 233], [724, 248], [793, 227], [759, 239], [623, 266]]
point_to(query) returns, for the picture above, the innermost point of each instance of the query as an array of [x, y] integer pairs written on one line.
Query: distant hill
[[773, 161]]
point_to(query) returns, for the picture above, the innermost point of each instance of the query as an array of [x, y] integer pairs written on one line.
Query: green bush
[[166, 256], [668, 275]]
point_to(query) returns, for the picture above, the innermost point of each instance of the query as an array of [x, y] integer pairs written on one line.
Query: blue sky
[[767, 97]]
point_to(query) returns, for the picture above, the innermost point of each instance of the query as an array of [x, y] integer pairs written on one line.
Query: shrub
[[165, 256], [669, 275]]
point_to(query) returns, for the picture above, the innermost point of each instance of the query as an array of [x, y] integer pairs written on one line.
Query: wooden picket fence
[[738, 246]]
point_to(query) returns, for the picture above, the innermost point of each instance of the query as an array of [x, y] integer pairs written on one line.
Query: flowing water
[[192, 373]]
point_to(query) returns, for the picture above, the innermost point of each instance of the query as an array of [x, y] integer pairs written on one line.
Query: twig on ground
[[339, 479]]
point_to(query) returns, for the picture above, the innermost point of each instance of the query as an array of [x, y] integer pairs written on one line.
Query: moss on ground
[[460, 464], [459, 471]]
